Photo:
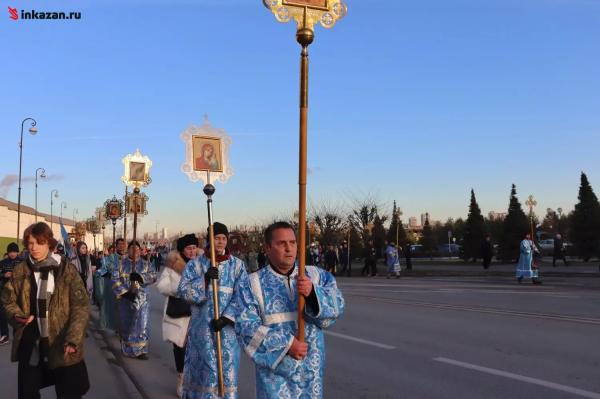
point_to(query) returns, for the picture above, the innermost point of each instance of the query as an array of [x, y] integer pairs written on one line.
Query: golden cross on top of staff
[[307, 13], [531, 203]]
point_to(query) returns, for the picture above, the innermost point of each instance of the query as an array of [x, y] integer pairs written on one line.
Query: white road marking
[[536, 381], [362, 341], [481, 309], [465, 291]]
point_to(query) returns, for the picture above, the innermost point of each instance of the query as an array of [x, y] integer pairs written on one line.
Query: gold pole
[[209, 190], [125, 216], [305, 37], [136, 195]]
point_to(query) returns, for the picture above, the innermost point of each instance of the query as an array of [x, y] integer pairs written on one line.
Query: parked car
[[546, 246], [451, 249]]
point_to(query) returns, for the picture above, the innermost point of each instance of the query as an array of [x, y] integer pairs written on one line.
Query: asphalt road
[[425, 338]]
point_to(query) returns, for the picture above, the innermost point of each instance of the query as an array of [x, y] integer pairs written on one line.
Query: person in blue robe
[[392, 261], [524, 267], [287, 368], [108, 302], [130, 286], [200, 377]]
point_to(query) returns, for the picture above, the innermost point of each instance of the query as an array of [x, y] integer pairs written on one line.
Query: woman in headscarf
[[83, 264], [48, 334], [177, 312]]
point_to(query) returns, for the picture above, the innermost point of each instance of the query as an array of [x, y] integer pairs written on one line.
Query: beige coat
[[174, 330]]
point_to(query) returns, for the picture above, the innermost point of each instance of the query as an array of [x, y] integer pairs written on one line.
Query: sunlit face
[[83, 250], [134, 250], [190, 251], [220, 243], [282, 249], [39, 251]]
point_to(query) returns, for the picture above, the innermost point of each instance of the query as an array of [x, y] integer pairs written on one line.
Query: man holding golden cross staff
[[210, 282], [284, 337]]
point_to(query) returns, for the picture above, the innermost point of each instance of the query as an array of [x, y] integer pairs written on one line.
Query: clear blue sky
[[412, 101]]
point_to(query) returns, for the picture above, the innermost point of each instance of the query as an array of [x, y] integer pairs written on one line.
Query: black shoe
[[143, 356], [4, 340], [519, 280]]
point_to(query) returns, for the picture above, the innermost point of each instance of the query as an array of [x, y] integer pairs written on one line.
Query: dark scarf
[[218, 258]]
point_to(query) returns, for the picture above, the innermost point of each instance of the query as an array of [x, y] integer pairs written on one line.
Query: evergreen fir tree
[[516, 225], [585, 222], [396, 228], [428, 240], [474, 230], [379, 234]]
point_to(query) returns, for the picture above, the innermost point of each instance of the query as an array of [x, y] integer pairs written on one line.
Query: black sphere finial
[[136, 190], [209, 190]]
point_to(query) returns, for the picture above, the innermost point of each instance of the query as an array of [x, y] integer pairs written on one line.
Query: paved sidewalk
[[107, 379]]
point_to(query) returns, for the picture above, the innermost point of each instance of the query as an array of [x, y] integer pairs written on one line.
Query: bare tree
[[329, 221]]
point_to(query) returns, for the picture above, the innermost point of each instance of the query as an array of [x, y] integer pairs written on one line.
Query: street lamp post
[[63, 205], [43, 175], [75, 211], [306, 13], [53, 194], [32, 130]]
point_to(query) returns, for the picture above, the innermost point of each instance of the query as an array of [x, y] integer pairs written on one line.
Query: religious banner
[[307, 13], [206, 153]]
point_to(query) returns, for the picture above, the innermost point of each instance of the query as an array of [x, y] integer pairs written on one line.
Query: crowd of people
[[46, 297]]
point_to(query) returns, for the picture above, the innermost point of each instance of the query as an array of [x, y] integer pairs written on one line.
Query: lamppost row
[[32, 130]]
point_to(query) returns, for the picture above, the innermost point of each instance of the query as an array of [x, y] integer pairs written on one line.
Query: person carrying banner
[[200, 379], [285, 366], [130, 286]]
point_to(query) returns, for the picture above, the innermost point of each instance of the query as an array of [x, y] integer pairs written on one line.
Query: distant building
[[412, 222], [165, 234], [497, 215], [8, 225]]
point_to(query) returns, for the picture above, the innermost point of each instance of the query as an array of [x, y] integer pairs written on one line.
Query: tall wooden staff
[[209, 190], [207, 152], [306, 13]]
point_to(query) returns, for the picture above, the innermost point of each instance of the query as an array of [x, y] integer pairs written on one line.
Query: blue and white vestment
[[267, 325], [200, 380], [133, 315]]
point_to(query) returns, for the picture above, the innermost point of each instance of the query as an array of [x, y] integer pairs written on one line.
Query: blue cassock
[[200, 371], [133, 315], [108, 302], [267, 326], [392, 259], [525, 260]]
